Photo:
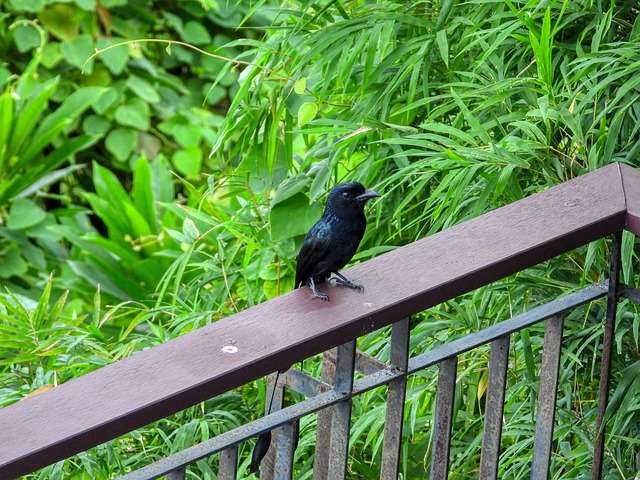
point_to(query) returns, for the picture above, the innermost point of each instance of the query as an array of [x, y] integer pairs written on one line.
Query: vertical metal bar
[[284, 452], [395, 402], [323, 425], [178, 474], [268, 462], [341, 419], [546, 412], [443, 418], [607, 352], [228, 468], [498, 363]]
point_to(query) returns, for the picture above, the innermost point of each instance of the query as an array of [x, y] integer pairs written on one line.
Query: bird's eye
[[345, 194]]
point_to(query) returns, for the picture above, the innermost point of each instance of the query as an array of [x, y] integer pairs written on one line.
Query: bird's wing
[[315, 247]]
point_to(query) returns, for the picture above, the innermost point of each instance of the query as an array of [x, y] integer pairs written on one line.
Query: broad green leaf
[[24, 213], [88, 5], [296, 207], [134, 113], [26, 37], [60, 20], [12, 263], [188, 161], [306, 113], [300, 86], [142, 192], [96, 125], [27, 5], [78, 50], [195, 33], [121, 142], [143, 89], [115, 59]]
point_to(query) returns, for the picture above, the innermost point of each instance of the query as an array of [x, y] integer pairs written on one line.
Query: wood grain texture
[[157, 382]]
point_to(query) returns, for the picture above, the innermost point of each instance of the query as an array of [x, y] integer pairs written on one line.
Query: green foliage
[[450, 109]]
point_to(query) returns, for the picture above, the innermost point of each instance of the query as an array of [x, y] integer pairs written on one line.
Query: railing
[[165, 379]]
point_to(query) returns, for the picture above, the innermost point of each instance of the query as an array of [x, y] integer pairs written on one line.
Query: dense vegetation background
[[119, 231]]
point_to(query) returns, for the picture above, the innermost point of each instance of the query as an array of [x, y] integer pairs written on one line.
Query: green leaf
[[121, 142], [142, 192], [24, 213], [188, 161], [143, 89], [187, 135], [88, 5], [78, 50], [115, 59], [61, 21], [106, 100], [293, 217], [27, 5], [134, 113], [195, 33], [443, 46], [306, 113], [190, 231], [96, 125], [300, 86], [26, 37], [12, 263]]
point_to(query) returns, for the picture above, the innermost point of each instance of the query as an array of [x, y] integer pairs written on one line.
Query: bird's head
[[349, 197]]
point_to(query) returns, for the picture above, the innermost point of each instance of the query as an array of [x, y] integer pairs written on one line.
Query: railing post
[[267, 468], [323, 425], [341, 417], [498, 363], [228, 466], [607, 353], [395, 401], [443, 418], [546, 410], [283, 469]]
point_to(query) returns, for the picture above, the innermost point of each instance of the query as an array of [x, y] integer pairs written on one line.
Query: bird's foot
[[321, 296], [316, 292], [345, 282]]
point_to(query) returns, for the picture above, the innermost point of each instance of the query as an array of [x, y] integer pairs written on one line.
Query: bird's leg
[[345, 282], [316, 293]]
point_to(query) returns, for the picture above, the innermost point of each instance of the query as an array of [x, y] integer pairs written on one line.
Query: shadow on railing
[[160, 381]]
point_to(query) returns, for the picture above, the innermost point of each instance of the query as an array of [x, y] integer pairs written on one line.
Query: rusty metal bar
[[304, 383], [607, 353], [228, 467], [267, 467], [323, 423], [399, 359], [546, 411], [443, 418], [284, 451], [341, 417], [632, 294], [178, 474], [383, 377], [498, 363]]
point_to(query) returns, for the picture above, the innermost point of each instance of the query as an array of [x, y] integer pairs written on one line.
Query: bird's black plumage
[[334, 238], [329, 245]]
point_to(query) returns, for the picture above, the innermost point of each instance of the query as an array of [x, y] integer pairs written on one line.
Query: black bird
[[329, 245], [334, 239]]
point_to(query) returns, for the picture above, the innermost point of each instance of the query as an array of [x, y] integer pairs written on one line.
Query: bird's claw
[[321, 296], [348, 284]]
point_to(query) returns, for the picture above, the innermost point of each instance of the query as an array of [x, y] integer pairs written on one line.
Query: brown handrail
[[155, 383]]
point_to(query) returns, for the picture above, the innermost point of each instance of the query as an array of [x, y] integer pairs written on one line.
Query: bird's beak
[[368, 195]]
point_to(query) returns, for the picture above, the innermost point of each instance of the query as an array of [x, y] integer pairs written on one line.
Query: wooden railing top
[[157, 382]]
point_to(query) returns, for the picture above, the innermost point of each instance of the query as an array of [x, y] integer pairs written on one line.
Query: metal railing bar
[[341, 417], [396, 390], [443, 418], [323, 421], [546, 411], [382, 377], [607, 353], [526, 319], [632, 294], [304, 384], [284, 452], [228, 467], [365, 363], [490, 453]]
